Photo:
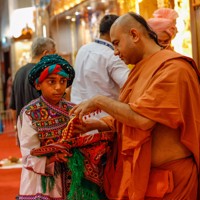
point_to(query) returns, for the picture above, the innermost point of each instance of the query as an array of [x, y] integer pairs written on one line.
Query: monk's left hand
[[84, 108]]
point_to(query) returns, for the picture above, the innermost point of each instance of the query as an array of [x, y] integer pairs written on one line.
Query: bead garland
[[67, 132]]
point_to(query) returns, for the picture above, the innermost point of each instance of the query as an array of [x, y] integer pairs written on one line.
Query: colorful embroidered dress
[[81, 178], [40, 124]]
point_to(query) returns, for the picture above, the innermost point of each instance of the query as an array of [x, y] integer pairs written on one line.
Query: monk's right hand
[[88, 125]]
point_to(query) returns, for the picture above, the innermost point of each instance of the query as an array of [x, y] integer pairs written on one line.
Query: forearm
[[122, 112]]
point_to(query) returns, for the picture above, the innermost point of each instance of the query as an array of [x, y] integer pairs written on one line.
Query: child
[[41, 122]]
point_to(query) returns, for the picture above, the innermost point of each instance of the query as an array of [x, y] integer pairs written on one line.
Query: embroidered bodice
[[48, 120]]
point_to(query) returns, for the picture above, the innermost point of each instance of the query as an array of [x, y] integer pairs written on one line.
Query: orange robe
[[165, 88]]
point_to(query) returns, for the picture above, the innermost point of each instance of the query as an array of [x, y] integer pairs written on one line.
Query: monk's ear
[[135, 34]]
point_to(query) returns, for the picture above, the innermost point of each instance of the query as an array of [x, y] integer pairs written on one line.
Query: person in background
[[8, 111], [98, 70], [156, 118], [40, 123], [8, 89], [164, 25], [22, 92]]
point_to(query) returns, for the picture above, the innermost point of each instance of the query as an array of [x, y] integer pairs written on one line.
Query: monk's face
[[53, 88], [124, 45]]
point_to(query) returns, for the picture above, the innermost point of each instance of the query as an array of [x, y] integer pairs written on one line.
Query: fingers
[[80, 114], [79, 128], [77, 111], [62, 157], [82, 109], [71, 112]]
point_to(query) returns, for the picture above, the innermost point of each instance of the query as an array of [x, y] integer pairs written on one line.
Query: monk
[[156, 150]]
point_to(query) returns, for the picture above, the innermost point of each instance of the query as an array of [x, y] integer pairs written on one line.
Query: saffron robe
[[163, 87]]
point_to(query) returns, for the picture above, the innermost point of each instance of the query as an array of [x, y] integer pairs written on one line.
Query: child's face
[[53, 88]]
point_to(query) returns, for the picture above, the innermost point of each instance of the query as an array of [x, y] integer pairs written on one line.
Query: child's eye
[[51, 81], [63, 81]]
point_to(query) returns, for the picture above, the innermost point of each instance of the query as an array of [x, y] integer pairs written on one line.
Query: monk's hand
[[85, 126], [92, 124], [84, 108], [79, 129], [88, 125]]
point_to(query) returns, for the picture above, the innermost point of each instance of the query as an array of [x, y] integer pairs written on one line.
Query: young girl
[[41, 123]]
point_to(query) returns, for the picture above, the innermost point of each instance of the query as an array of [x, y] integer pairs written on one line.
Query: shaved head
[[130, 35], [126, 22], [132, 20]]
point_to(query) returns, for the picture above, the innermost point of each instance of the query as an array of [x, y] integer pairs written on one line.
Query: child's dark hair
[[106, 23], [143, 22]]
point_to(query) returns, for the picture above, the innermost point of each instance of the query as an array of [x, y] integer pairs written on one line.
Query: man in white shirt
[[97, 69]]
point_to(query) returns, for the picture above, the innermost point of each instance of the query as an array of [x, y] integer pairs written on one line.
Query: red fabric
[[48, 71], [93, 147], [157, 89]]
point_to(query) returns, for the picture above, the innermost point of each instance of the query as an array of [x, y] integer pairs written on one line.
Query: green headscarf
[[47, 61]]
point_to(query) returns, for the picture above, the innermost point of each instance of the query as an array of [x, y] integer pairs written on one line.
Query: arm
[[120, 111], [28, 138], [118, 71], [14, 118], [14, 115]]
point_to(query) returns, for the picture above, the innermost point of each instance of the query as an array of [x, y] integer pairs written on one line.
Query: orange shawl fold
[[165, 88]]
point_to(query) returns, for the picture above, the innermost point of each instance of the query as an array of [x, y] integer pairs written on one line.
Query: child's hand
[[62, 157], [59, 157]]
